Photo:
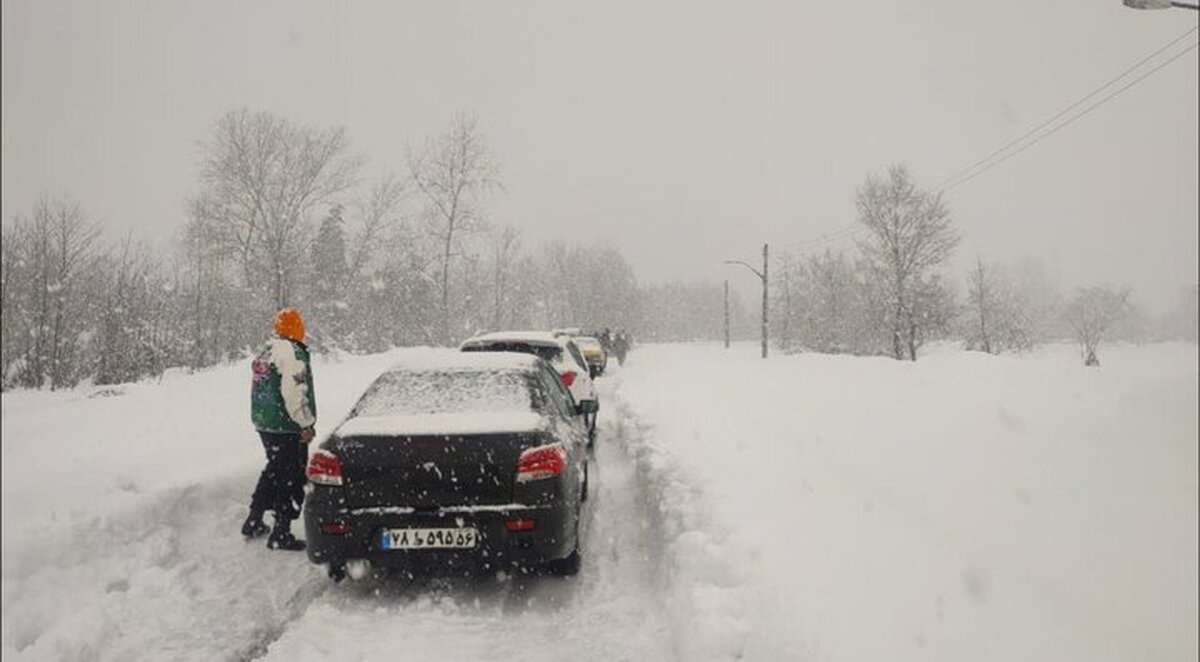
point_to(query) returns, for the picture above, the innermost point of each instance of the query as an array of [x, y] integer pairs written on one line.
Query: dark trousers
[[281, 485]]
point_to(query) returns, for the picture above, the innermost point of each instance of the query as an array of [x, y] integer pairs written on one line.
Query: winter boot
[[281, 538], [254, 526]]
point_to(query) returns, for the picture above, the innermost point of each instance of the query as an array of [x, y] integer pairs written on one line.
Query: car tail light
[[520, 524], [568, 378], [335, 528], [324, 468], [541, 462]]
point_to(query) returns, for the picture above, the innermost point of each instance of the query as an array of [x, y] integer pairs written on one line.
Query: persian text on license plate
[[456, 538]]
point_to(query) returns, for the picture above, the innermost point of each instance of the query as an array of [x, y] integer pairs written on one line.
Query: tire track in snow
[[703, 567], [170, 577], [294, 608]]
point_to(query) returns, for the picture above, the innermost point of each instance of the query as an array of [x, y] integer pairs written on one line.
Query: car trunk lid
[[415, 466]]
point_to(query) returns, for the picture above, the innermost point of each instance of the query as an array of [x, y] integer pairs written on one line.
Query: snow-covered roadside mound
[[89, 451], [166, 580], [121, 508], [962, 507], [704, 566]]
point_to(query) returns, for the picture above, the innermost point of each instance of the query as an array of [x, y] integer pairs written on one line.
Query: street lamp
[[1158, 4], [763, 276]]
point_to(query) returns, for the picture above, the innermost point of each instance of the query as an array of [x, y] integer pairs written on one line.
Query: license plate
[[455, 538]]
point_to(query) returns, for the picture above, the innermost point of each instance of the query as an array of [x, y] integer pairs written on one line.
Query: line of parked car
[[467, 462]]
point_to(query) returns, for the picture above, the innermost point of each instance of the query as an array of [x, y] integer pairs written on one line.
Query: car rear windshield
[[404, 392], [588, 343], [547, 352]]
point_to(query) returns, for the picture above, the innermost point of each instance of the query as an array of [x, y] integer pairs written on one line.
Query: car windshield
[[405, 392], [550, 353]]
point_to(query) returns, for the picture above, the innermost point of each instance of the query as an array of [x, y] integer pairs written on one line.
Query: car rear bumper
[[497, 549]]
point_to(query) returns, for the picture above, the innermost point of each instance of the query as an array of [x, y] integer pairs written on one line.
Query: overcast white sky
[[684, 132]]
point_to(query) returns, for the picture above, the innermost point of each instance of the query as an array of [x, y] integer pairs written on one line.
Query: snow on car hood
[[444, 423]]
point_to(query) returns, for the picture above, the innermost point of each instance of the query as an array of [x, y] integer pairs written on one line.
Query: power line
[[951, 183], [970, 172], [1074, 117], [828, 237], [838, 235]]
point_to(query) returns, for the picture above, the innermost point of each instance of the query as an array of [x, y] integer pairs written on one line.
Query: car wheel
[[566, 567], [569, 565], [337, 572]]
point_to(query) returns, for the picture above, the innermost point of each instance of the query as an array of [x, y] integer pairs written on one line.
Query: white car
[[560, 351]]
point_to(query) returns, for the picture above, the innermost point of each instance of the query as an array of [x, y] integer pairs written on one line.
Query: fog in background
[[684, 134]]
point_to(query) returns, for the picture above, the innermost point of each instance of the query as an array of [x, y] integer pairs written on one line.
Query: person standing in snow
[[283, 407]]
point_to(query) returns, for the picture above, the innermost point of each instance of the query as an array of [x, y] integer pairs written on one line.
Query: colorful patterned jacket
[[281, 390]]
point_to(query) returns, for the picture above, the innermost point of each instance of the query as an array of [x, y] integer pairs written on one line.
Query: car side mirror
[[587, 407], [593, 371]]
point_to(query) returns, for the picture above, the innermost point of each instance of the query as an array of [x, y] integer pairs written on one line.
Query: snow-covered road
[[612, 610], [808, 507]]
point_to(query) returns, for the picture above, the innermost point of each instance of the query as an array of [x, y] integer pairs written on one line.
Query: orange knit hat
[[288, 324]]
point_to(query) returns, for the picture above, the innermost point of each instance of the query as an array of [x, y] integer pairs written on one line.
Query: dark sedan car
[[454, 463]]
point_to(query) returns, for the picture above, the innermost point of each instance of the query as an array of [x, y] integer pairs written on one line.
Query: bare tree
[[828, 305], [72, 238], [226, 312], [13, 290], [983, 306], [506, 248], [789, 279], [1091, 314], [45, 268], [835, 301], [261, 178], [1009, 305], [136, 333], [936, 310], [453, 173], [911, 234], [380, 210]]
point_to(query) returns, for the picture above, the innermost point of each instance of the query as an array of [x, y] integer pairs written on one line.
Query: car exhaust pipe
[[358, 569]]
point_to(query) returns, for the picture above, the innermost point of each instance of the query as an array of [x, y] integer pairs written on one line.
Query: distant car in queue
[[453, 462], [560, 351], [593, 352]]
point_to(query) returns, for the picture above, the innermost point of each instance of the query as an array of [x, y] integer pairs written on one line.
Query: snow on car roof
[[532, 337], [471, 388], [443, 423], [451, 360]]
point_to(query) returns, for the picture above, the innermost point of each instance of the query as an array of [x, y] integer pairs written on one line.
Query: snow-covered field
[[964, 507]]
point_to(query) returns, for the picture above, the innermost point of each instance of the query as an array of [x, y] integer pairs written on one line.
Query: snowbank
[[965, 507]]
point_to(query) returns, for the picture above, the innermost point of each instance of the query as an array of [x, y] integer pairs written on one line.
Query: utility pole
[[766, 284], [726, 313], [763, 276]]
